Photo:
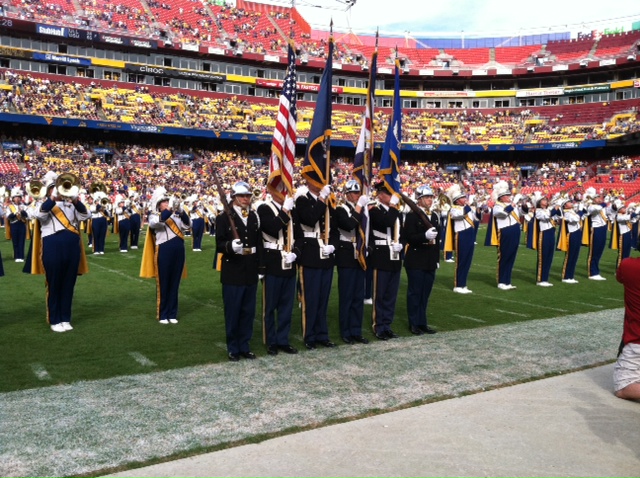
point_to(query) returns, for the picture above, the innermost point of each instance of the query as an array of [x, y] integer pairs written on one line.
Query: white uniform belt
[[347, 239], [315, 235], [381, 242], [246, 251], [273, 245]]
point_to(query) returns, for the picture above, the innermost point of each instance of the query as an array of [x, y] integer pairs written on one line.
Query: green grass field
[[116, 332]]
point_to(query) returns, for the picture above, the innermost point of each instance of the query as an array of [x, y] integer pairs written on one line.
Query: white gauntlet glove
[[288, 204], [431, 234], [324, 192], [236, 245], [328, 249], [396, 246], [290, 257], [394, 200], [363, 201]]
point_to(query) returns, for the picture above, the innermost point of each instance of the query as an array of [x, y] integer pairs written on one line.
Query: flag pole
[[327, 148]]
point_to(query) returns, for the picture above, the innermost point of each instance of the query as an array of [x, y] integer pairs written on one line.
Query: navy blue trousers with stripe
[[18, 238], [61, 258], [419, 286], [170, 257], [385, 294], [197, 230], [509, 238], [546, 248], [134, 234], [464, 245], [99, 233], [571, 256], [124, 227], [597, 243], [315, 287], [351, 282]]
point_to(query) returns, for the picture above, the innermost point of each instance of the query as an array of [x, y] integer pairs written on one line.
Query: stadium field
[[116, 333]]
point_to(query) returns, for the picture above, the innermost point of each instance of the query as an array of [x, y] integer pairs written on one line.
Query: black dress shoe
[[391, 334], [429, 330], [310, 345], [382, 336], [248, 355], [288, 349], [272, 350], [416, 330], [234, 357], [360, 339], [347, 340], [327, 343]]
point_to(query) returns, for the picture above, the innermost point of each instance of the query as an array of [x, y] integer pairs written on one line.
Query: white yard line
[[113, 271], [142, 360], [512, 313], [469, 318], [611, 298], [40, 372], [597, 306]]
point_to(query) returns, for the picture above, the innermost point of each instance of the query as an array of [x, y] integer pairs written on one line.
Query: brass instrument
[[105, 201], [257, 193], [37, 190], [68, 185], [97, 187], [443, 203]]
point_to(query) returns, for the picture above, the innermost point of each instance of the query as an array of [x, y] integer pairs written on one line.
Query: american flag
[[283, 147]]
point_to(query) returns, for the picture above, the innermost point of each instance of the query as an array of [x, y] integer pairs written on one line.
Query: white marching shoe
[[368, 301], [506, 286], [462, 290], [58, 328], [163, 321], [173, 321], [569, 281], [66, 326], [597, 277], [544, 284]]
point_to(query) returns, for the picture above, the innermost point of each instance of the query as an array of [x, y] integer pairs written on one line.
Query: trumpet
[[105, 201], [67, 185], [36, 190]]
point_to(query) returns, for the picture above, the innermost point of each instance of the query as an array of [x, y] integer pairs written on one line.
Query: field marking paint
[[113, 271], [528, 304], [142, 360], [597, 306], [209, 303], [512, 313], [610, 298], [221, 345], [469, 318], [40, 372]]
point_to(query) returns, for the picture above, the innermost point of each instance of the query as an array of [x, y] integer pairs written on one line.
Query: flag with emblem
[[315, 167], [283, 147], [389, 172]]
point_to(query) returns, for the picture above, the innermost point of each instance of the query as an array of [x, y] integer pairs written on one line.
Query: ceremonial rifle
[[225, 204]]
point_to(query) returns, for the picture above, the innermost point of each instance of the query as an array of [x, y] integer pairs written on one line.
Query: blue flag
[[315, 167], [389, 172]]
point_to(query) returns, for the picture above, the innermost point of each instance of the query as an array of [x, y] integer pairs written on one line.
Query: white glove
[[394, 200], [288, 204], [236, 245], [396, 246], [363, 201], [431, 234], [290, 257], [328, 249], [260, 276], [324, 192]]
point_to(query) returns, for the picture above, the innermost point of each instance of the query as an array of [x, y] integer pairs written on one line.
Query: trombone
[[68, 185], [36, 190]]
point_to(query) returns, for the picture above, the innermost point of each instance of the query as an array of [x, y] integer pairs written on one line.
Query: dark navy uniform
[[123, 214], [17, 225], [316, 268], [99, 220], [239, 277], [421, 262], [197, 227], [386, 265], [279, 286], [351, 273], [61, 256], [135, 223]]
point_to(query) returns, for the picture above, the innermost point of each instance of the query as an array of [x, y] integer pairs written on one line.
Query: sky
[[492, 17]]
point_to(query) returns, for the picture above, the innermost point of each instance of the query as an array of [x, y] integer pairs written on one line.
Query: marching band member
[[570, 240], [240, 267], [122, 226], [135, 220], [197, 215], [351, 262], [595, 232], [279, 286], [316, 260], [421, 261], [100, 218], [504, 232], [633, 214], [385, 259], [16, 228], [163, 256], [621, 234], [544, 240], [460, 236], [61, 248]]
